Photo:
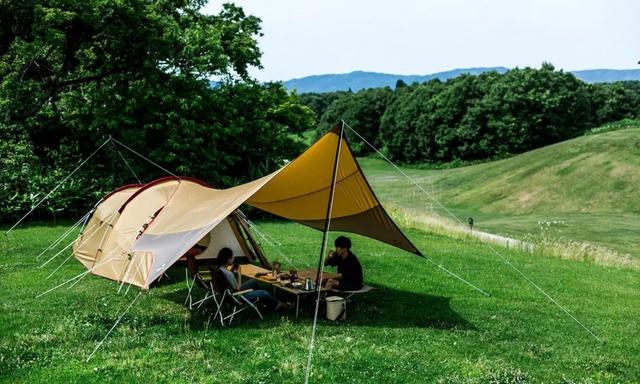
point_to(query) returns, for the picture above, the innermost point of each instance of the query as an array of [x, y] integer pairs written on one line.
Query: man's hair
[[224, 255], [342, 242]]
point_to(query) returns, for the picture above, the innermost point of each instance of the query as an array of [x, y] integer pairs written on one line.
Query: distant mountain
[[358, 80], [607, 75]]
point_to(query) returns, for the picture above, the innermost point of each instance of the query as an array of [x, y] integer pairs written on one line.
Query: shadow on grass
[[384, 307]]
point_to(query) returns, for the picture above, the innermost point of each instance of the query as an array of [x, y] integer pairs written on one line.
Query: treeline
[[470, 118], [74, 72]]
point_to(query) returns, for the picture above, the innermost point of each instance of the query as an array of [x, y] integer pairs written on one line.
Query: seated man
[[229, 281], [349, 269]]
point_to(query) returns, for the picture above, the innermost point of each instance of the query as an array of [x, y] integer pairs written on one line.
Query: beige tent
[[139, 231]]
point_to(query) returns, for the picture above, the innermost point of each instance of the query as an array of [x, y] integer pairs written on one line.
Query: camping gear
[[230, 303], [336, 308], [138, 232], [349, 294], [205, 285], [227, 304]]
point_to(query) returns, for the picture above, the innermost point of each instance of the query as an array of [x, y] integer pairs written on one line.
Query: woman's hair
[[342, 242], [224, 255]]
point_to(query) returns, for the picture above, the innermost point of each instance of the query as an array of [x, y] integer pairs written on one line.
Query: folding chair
[[349, 294], [229, 301], [198, 280], [233, 303]]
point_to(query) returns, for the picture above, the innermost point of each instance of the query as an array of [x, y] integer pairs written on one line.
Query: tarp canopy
[[149, 227], [300, 192]]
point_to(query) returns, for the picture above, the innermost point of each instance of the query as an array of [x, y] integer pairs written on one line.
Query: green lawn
[[590, 187], [419, 326]]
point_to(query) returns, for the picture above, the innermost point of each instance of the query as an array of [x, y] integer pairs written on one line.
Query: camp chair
[[197, 279], [202, 283], [349, 294], [228, 302]]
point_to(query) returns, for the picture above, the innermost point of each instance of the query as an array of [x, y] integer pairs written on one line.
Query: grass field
[[586, 189], [420, 325]]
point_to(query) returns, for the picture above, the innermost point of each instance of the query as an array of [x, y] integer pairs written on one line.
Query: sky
[[304, 37]]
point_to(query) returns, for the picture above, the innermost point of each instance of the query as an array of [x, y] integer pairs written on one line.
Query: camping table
[[297, 292], [250, 270]]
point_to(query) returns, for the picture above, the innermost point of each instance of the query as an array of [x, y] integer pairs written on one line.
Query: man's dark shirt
[[350, 269]]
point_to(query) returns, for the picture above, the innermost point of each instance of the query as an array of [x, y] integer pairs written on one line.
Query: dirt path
[[501, 240], [430, 222]]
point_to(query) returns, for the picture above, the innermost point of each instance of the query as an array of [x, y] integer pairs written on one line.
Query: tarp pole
[[323, 248]]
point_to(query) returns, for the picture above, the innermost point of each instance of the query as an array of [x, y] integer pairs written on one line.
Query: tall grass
[[543, 244]]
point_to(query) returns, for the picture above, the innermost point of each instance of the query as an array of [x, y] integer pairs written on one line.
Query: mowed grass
[[420, 325], [586, 189]]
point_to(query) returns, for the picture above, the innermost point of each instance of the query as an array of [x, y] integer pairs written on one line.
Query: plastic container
[[336, 308]]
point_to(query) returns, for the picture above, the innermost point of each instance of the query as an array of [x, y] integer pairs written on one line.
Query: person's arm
[[329, 259]]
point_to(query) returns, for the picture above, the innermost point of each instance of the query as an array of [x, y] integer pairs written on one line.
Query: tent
[[138, 231]]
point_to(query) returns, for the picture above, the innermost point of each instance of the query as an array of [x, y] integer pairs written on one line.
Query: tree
[[485, 116], [615, 101], [362, 111], [319, 102], [74, 72]]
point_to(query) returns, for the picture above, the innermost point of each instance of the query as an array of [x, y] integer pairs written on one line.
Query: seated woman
[[228, 280], [349, 269]]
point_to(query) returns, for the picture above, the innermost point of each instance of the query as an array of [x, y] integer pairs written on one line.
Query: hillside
[[359, 79], [590, 187]]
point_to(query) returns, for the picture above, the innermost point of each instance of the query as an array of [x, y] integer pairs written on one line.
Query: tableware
[[308, 284], [276, 266]]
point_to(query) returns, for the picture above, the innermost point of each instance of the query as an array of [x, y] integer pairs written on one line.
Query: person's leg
[[251, 284], [332, 284], [265, 298]]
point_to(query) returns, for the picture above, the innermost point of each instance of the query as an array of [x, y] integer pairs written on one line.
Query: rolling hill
[[359, 80], [585, 189]]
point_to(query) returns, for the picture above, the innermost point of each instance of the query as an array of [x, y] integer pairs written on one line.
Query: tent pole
[[325, 234]]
